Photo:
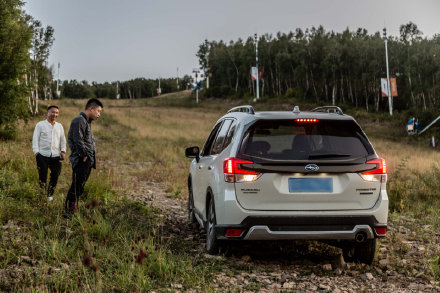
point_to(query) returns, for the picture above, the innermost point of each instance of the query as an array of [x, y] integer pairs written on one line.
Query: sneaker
[[50, 198]]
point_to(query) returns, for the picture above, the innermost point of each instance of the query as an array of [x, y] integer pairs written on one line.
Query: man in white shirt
[[49, 147]]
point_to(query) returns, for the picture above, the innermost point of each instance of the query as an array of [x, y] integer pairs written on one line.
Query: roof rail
[[247, 109], [329, 109]]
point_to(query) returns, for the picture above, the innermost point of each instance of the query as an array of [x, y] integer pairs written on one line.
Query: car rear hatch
[[306, 165]]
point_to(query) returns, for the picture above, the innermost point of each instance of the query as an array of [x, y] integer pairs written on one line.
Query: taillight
[[380, 231], [233, 232], [378, 174], [306, 120], [234, 172]]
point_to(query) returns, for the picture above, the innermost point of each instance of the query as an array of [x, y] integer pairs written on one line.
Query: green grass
[[101, 247], [112, 243]]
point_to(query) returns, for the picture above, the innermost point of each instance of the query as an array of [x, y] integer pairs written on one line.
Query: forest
[[327, 67]]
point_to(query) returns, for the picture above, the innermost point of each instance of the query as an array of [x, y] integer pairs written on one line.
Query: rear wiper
[[322, 156]]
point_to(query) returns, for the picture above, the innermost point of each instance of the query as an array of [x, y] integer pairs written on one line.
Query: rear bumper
[[304, 227], [264, 233]]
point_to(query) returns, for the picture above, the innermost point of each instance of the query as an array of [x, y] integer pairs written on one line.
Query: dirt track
[[301, 266]]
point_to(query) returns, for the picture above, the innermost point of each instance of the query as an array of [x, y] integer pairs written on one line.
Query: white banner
[[384, 86], [254, 73]]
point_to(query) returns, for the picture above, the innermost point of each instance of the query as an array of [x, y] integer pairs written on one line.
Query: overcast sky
[[108, 40]]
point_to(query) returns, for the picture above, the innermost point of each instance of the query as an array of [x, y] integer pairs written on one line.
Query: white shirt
[[49, 140]]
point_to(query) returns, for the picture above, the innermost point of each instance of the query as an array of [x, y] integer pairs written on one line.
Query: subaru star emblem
[[311, 167]]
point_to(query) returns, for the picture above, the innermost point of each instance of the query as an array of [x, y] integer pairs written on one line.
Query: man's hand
[[37, 154], [85, 159], [63, 156]]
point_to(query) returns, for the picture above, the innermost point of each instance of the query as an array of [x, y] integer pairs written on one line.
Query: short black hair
[[52, 106], [94, 103]]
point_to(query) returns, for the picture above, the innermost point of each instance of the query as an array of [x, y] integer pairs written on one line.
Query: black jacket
[[81, 140]]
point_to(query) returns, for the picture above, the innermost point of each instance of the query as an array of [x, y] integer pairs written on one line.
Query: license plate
[[310, 185]]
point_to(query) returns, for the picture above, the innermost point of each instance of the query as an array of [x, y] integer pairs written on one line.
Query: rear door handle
[[210, 167], [200, 166]]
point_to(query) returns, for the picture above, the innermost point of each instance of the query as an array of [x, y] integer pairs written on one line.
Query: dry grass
[[144, 140], [171, 124], [418, 158], [168, 130]]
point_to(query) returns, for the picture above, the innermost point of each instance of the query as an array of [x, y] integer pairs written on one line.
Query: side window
[[210, 139], [228, 138], [218, 144]]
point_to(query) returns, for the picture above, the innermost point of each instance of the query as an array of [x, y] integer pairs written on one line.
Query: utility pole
[[207, 64], [177, 78], [159, 90], [258, 72], [117, 90], [197, 71], [390, 100]]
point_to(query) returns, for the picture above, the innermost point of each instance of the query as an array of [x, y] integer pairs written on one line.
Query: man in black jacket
[[82, 144]]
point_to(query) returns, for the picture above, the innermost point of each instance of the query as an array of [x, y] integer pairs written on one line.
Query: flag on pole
[[254, 73], [384, 86], [393, 86]]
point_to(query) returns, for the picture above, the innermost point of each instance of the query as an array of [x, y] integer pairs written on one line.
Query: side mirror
[[193, 152]]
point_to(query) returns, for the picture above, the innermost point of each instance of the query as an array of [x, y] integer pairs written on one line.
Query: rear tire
[[212, 243], [360, 252], [191, 215]]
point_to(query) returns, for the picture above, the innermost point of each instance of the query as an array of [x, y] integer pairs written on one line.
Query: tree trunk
[[350, 89], [236, 81], [366, 96], [334, 94], [342, 90], [355, 95], [314, 86]]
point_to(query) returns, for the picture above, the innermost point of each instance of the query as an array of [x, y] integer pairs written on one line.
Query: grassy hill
[[117, 243]]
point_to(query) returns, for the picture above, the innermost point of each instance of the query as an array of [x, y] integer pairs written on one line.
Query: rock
[[324, 287], [289, 285], [26, 259], [384, 262], [338, 271], [327, 267], [339, 262], [420, 275], [367, 276], [217, 257]]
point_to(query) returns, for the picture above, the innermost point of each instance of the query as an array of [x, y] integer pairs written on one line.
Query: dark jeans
[[54, 165], [80, 175]]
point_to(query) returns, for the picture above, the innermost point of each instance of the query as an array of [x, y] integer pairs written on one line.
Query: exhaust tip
[[360, 237]]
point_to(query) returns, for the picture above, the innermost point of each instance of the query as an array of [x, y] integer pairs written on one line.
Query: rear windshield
[[291, 140]]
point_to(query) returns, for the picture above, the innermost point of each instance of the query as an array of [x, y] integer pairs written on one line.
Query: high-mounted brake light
[[378, 173], [234, 172], [306, 120]]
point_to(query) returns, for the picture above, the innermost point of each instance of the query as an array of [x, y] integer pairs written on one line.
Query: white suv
[[289, 175]]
